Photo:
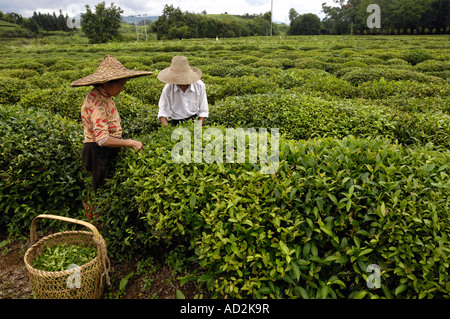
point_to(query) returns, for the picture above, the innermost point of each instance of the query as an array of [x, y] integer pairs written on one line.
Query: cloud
[[257, 2]]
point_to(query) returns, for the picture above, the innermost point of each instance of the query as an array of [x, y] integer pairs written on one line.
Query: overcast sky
[[155, 7]]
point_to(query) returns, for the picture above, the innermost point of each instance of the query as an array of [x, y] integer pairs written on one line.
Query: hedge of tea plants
[[39, 166], [363, 178], [301, 116], [334, 207]]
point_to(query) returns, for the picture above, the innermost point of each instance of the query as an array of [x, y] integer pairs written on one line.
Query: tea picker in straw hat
[[101, 120], [184, 96]]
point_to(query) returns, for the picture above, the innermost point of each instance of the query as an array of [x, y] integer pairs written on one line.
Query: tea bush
[[221, 69], [45, 81], [359, 76], [310, 63], [40, 166], [334, 207], [433, 66], [396, 61], [19, 73], [148, 89], [62, 65], [300, 116], [417, 104], [65, 101], [366, 59], [383, 89], [11, 90], [30, 65], [221, 88], [329, 84], [137, 118], [416, 56]]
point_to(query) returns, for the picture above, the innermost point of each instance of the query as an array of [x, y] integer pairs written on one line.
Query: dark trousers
[[99, 161], [176, 122]]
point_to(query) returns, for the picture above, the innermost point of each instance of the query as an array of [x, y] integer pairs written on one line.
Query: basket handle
[[33, 235]]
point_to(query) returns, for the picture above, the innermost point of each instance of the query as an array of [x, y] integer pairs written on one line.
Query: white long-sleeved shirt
[[178, 105]]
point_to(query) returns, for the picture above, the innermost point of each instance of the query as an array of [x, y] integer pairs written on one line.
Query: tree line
[[176, 24], [51, 22], [343, 17], [397, 17], [39, 21], [102, 24]]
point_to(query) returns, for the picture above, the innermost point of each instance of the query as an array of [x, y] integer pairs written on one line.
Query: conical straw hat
[[110, 69], [180, 72]]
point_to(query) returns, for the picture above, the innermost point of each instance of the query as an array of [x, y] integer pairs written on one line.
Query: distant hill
[[11, 30], [131, 19], [4, 23], [225, 17], [232, 17]]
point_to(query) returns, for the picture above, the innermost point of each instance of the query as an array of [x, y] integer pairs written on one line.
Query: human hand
[[164, 121], [138, 146]]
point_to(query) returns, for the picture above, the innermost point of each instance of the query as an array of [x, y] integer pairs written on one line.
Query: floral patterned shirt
[[100, 117]]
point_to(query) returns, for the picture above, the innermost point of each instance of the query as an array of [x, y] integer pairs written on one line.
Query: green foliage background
[[363, 176]]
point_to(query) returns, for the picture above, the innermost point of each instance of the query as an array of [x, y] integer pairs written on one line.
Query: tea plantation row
[[363, 176]]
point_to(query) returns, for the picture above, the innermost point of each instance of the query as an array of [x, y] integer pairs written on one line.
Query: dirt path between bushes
[[14, 281]]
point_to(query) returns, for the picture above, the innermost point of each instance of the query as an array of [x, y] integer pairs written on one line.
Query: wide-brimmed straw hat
[[110, 69], [180, 72]]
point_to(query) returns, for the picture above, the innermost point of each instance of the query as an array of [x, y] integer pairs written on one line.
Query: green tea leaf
[[180, 295], [333, 198], [192, 201], [124, 281], [302, 292], [358, 294], [400, 289], [296, 270]]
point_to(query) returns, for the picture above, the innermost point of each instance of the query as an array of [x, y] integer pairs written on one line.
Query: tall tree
[[103, 25], [293, 14], [396, 15], [438, 21], [337, 20], [305, 24]]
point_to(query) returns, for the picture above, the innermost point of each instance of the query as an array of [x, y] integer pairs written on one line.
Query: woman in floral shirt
[[101, 119]]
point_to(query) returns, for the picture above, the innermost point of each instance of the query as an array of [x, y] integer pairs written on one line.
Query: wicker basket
[[84, 282]]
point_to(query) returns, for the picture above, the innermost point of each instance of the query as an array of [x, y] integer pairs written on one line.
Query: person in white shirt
[[184, 96]]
